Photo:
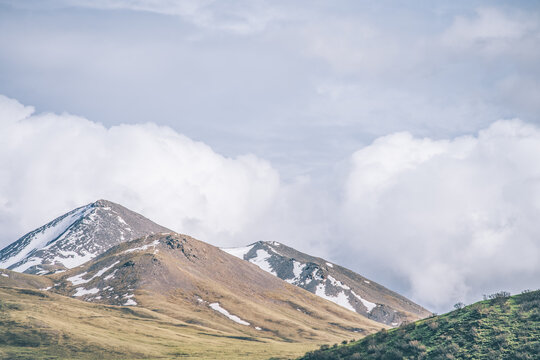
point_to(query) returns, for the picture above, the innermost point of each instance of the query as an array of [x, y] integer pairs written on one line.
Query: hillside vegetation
[[500, 328]]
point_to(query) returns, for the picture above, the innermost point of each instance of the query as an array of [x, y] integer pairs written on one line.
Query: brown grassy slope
[[41, 325], [179, 276], [14, 279]]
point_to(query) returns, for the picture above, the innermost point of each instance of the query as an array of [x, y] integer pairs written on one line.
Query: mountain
[[332, 282], [75, 237], [198, 283], [166, 295], [500, 328]]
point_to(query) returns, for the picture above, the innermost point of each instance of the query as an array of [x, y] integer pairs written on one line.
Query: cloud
[[307, 71], [492, 32], [453, 78], [454, 218], [239, 17], [351, 46], [51, 163]]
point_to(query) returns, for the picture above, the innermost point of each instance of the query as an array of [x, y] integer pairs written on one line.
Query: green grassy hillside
[[500, 328]]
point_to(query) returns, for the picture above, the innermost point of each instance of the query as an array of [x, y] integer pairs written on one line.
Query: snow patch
[[104, 270], [111, 275], [239, 252], [337, 283], [298, 267], [340, 299], [330, 265], [129, 301], [71, 259], [367, 282], [82, 291], [234, 318], [28, 264], [144, 247], [261, 260], [368, 304], [5, 275], [258, 328], [314, 276], [78, 279]]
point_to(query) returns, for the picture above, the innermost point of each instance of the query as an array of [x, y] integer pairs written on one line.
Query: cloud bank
[[452, 217], [50, 163], [440, 220]]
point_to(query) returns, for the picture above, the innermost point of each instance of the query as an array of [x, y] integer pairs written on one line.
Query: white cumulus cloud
[[452, 218], [51, 163]]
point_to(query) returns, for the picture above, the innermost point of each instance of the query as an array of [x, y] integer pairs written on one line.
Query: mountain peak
[[103, 203], [76, 237]]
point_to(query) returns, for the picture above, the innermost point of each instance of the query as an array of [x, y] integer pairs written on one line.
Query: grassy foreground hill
[[500, 328], [38, 324]]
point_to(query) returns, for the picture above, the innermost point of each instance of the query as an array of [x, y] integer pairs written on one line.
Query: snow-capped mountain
[[332, 282], [75, 237]]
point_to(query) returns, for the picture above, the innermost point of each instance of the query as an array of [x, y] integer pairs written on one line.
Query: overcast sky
[[399, 139]]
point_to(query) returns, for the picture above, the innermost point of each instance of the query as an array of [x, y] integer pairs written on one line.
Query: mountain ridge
[[332, 282], [172, 271]]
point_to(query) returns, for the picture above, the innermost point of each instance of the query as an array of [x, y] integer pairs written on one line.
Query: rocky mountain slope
[[197, 283], [332, 282], [500, 328], [75, 237]]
